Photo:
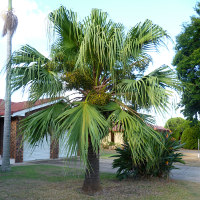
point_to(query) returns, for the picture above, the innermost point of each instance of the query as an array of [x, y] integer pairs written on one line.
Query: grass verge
[[45, 182]]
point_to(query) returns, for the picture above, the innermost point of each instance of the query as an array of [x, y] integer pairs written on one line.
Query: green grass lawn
[[45, 182]]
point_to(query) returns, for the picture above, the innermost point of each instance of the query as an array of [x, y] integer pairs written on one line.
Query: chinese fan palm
[[99, 60]]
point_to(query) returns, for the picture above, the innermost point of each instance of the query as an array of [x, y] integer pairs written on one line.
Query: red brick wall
[[19, 144], [1, 136], [13, 131], [16, 145]]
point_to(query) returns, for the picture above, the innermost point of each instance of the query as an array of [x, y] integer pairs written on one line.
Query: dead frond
[[10, 23]]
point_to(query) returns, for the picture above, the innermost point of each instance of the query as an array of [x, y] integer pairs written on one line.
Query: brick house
[[21, 151]]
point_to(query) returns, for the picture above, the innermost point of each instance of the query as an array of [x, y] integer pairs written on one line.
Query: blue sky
[[170, 15]]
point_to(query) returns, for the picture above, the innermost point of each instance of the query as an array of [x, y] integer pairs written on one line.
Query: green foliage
[[164, 157], [187, 60], [177, 125], [190, 137], [184, 130], [124, 162]]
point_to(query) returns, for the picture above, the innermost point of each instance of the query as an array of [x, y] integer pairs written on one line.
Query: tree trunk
[[7, 115], [92, 181]]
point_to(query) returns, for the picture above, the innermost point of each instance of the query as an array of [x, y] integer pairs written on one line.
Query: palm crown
[[103, 63]]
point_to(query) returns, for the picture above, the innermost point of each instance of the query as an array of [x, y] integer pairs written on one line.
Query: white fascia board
[[22, 113]]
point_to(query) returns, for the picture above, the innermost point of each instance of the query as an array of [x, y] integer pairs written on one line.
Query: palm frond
[[27, 55], [68, 33], [135, 131], [151, 90], [37, 126], [32, 71], [101, 42], [81, 122], [139, 63], [142, 38], [148, 119], [167, 78], [147, 35]]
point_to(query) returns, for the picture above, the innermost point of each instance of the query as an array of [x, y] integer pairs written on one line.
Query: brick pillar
[[12, 137], [112, 135], [19, 144], [54, 148], [13, 131], [1, 136]]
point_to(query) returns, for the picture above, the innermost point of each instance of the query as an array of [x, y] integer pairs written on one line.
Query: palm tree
[[10, 26], [103, 64]]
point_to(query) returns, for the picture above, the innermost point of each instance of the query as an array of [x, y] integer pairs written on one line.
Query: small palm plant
[[160, 165], [102, 64]]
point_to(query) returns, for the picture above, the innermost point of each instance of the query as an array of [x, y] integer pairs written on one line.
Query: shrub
[[177, 126], [190, 137], [159, 166]]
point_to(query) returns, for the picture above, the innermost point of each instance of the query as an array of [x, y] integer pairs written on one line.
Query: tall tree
[[10, 26], [187, 62], [104, 65]]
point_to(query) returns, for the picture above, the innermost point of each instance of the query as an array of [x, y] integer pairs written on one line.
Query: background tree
[[188, 132], [104, 65], [190, 136], [10, 26], [187, 62]]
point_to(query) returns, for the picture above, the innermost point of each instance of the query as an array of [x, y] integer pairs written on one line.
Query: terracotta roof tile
[[18, 106], [155, 127]]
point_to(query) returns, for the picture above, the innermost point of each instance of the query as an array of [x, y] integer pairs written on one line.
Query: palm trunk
[[7, 116], [92, 181]]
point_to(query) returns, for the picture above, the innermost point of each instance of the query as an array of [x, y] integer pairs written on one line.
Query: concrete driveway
[[187, 173], [184, 172]]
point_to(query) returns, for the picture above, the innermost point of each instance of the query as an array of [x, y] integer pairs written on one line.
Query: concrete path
[[184, 172], [12, 161], [187, 173]]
